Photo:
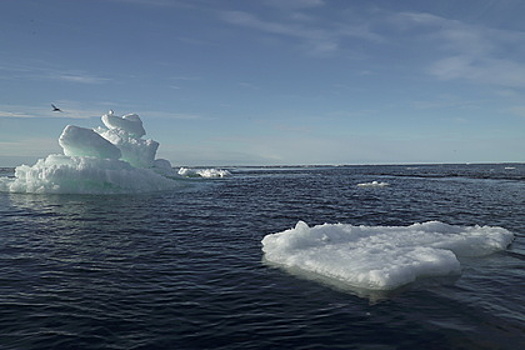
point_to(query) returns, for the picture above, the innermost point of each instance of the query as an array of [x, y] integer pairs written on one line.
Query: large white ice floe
[[380, 257], [107, 160]]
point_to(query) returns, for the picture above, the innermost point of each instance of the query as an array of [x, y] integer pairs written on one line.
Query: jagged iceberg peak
[[130, 123], [138, 152]]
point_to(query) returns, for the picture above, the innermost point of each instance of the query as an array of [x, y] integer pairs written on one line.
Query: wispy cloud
[[294, 4], [15, 114], [517, 110], [295, 129], [445, 101], [465, 51], [247, 85], [29, 146], [40, 71], [70, 110], [157, 3], [170, 115], [319, 38], [75, 77], [185, 78], [80, 78], [493, 71]]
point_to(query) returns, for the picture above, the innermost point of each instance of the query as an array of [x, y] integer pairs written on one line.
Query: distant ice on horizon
[[373, 184], [206, 173]]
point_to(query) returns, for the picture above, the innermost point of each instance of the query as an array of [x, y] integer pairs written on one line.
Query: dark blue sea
[[184, 269]]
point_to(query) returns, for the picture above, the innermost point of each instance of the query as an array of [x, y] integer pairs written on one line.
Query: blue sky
[[270, 81]]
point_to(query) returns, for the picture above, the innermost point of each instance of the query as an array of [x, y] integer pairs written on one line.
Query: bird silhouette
[[55, 108]]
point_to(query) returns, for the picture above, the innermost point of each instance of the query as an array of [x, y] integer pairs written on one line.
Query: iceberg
[[85, 175], [380, 258], [114, 159]]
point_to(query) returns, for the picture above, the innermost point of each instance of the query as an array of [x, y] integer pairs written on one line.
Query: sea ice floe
[[380, 257]]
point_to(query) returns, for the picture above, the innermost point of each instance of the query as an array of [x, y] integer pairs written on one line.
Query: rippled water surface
[[184, 269]]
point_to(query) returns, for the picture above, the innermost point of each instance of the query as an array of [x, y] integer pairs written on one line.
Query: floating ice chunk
[[207, 173], [373, 184], [98, 161], [77, 141], [380, 258], [138, 152], [130, 123], [66, 174]]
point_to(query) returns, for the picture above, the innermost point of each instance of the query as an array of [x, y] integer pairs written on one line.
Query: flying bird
[[55, 108]]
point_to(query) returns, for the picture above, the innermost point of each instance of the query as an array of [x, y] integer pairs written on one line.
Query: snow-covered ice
[[380, 257], [130, 123]]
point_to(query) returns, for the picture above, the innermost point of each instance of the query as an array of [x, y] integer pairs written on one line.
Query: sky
[[270, 82]]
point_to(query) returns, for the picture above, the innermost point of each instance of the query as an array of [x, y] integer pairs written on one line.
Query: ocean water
[[184, 268]]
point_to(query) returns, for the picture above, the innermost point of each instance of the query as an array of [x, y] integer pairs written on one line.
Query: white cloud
[[14, 114], [317, 38], [247, 85], [517, 110], [70, 110], [493, 71], [80, 78], [171, 115], [451, 67], [29, 147], [158, 3], [465, 51], [445, 101], [40, 71], [294, 4], [185, 78]]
